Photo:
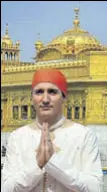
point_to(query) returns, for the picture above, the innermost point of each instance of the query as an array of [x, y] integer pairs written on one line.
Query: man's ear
[[63, 95], [64, 98]]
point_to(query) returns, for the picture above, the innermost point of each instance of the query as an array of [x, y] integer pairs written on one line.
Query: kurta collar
[[55, 126]]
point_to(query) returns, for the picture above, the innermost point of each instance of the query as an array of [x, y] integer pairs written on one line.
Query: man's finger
[[43, 133], [46, 130]]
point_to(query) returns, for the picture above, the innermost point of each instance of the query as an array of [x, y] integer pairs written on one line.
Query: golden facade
[[78, 55]]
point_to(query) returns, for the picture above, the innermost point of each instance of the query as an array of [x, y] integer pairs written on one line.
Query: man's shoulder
[[23, 130], [72, 124], [78, 127]]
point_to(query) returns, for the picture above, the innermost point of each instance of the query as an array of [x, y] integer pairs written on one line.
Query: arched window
[[6, 56], [69, 112], [83, 109], [33, 112], [15, 112], [11, 56], [77, 112], [24, 112], [83, 112], [76, 109], [14, 56]]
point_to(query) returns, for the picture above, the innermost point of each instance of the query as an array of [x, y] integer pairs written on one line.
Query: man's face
[[47, 100]]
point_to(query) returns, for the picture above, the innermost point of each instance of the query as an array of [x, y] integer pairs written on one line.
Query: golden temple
[[82, 59]]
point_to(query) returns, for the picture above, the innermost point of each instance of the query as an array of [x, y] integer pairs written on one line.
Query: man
[[53, 154]]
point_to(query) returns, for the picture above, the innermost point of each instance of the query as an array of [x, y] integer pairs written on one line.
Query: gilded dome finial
[[6, 32], [6, 39], [76, 20], [38, 44]]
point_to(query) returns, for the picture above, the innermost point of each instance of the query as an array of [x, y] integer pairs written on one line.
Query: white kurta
[[74, 167]]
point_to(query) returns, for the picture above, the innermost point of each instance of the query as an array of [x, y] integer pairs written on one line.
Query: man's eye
[[53, 91], [38, 91]]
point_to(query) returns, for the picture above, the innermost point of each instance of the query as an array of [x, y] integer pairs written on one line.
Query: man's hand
[[48, 143], [45, 150]]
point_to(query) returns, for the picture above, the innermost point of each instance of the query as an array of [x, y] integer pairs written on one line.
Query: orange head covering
[[50, 75]]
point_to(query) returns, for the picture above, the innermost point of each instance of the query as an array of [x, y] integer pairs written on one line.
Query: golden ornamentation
[[77, 54]]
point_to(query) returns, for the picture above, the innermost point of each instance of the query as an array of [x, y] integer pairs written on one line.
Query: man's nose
[[45, 97]]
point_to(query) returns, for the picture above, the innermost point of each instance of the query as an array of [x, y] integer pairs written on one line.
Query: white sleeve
[[15, 177], [90, 179]]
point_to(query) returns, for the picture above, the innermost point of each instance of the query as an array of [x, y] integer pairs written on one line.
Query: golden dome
[[72, 43], [76, 39], [6, 40]]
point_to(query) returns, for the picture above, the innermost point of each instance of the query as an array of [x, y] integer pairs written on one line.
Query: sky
[[50, 18]]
